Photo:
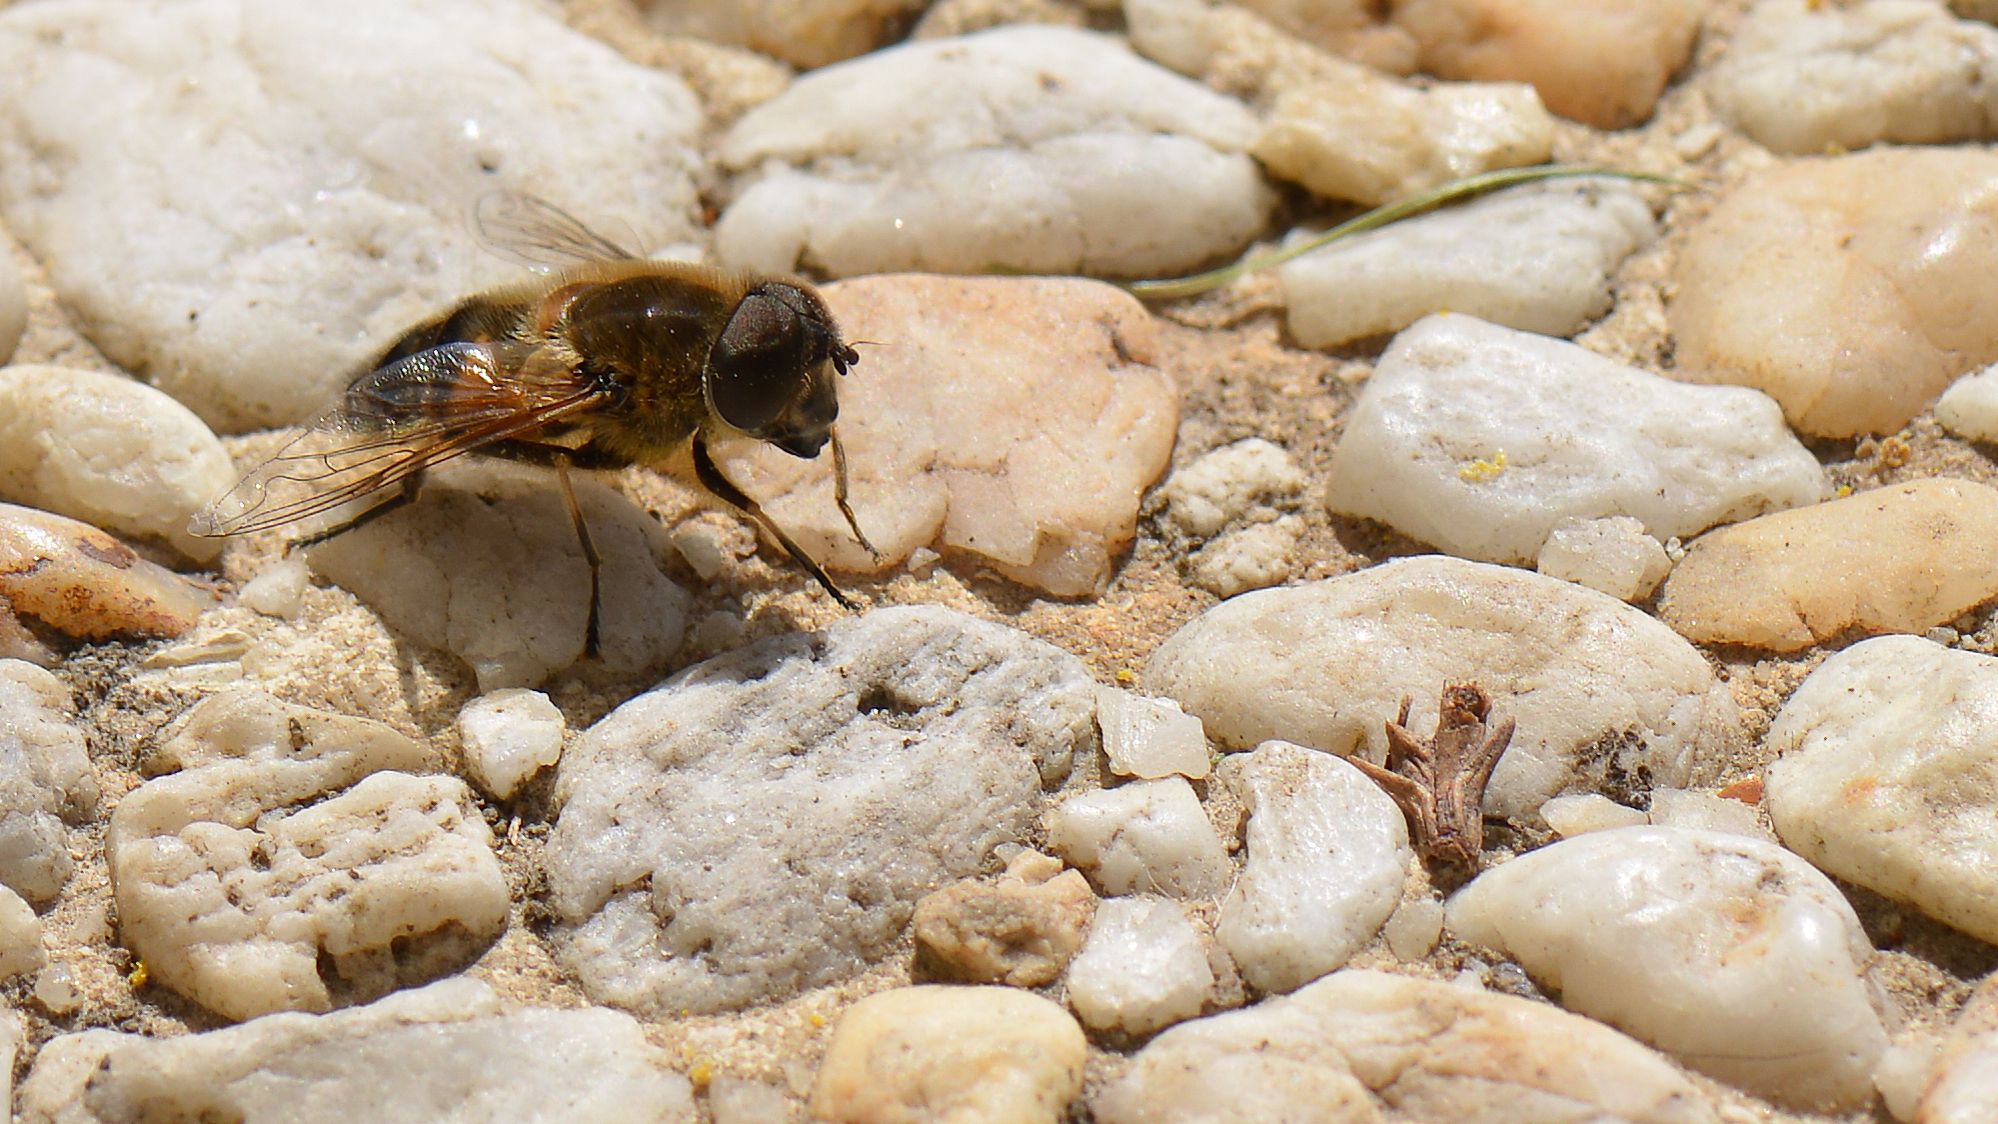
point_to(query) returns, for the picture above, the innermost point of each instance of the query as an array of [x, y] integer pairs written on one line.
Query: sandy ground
[[1239, 377]]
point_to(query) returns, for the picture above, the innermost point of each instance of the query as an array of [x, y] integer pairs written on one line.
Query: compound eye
[[758, 363]]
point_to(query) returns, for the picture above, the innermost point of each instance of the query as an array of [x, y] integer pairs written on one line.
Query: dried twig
[[1440, 784]]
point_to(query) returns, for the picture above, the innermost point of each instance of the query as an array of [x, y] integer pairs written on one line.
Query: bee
[[609, 361]]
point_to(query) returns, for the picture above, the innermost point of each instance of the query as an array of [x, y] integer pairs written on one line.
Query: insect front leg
[[711, 478]]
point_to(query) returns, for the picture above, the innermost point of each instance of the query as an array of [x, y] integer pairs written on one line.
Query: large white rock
[[109, 451], [448, 1052], [1148, 837], [1851, 289], [1962, 1087], [1084, 159], [950, 1053], [765, 821], [1896, 559], [1015, 421], [1604, 696], [486, 565], [1428, 1050], [1143, 967], [1538, 258], [1889, 776], [298, 862], [45, 780], [1480, 439], [242, 199], [1328, 852], [1804, 78], [1750, 961]]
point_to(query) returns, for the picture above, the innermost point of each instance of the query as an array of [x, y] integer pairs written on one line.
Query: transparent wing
[[398, 420], [536, 233]]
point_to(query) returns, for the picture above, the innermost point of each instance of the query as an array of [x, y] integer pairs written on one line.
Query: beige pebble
[[1895, 559], [83, 583], [1014, 420], [1600, 62], [1850, 289], [1020, 930], [919, 1054], [805, 34], [110, 451]]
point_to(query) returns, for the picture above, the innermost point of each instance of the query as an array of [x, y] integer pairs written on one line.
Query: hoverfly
[[612, 360]]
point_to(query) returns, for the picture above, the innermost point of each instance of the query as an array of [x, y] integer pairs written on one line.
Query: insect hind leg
[[403, 497]]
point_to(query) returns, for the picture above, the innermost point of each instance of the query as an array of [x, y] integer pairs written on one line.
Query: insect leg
[[711, 478], [839, 495], [403, 496], [591, 648]]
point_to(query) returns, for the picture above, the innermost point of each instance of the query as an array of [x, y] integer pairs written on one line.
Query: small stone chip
[[1146, 837], [1020, 930], [1150, 738], [1144, 967], [509, 735]]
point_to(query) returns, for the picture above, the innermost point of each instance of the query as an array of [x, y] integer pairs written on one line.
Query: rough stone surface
[[508, 736], [1895, 559], [1610, 555], [45, 780], [1851, 289], [1427, 1050], [1014, 421], [1085, 159], [292, 865], [1604, 695], [1020, 931], [1889, 776], [765, 821], [448, 1052], [80, 582], [950, 1053], [1969, 408], [1803, 78], [1480, 439], [1600, 62], [1234, 481], [486, 565], [1149, 738], [1328, 852], [808, 34], [1257, 556], [242, 199], [109, 451], [20, 935], [1537, 258], [1145, 837], [1962, 1087], [1752, 961], [1144, 967]]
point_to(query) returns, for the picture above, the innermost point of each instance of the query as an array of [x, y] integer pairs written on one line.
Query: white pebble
[[1537, 258], [1084, 157], [1325, 664], [508, 736], [1611, 555], [1142, 968], [56, 990], [1902, 558], [1751, 960], [1222, 485], [1433, 1051], [486, 565], [20, 936], [390, 1060], [1415, 928], [1889, 775], [1962, 1086], [766, 821], [1903, 1073], [321, 163], [13, 303], [46, 781], [1145, 837], [1479, 439], [1582, 812], [1969, 408], [1838, 285], [1254, 557], [1804, 78], [950, 1053], [1149, 738], [278, 590], [1328, 852], [1676, 807]]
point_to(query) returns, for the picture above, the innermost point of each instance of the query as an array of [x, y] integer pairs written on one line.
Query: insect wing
[[538, 234], [398, 420]]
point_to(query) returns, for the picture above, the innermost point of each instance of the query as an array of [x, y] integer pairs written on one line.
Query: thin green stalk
[[1455, 191]]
